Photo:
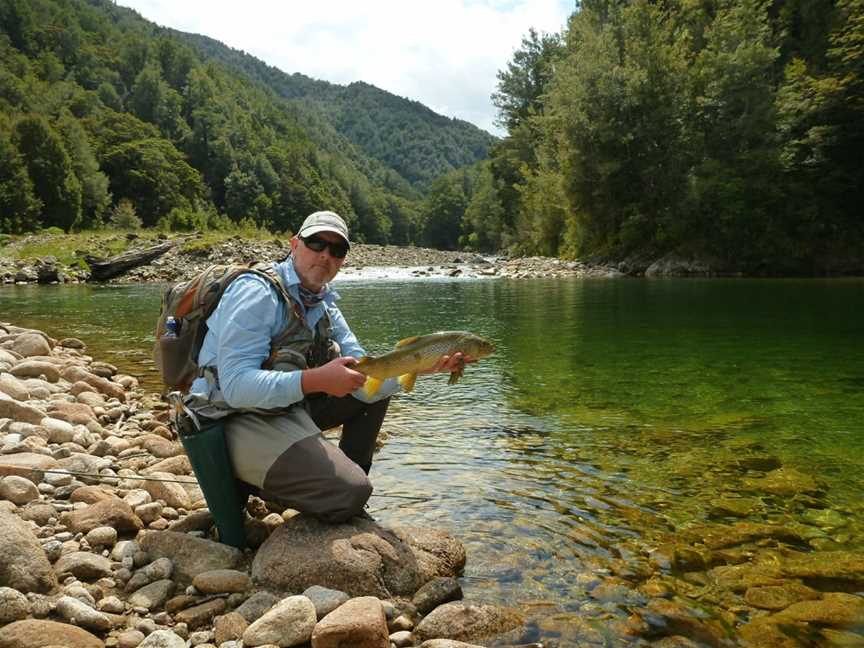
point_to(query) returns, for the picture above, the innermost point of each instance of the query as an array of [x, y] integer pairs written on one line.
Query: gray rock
[[152, 596], [256, 605], [163, 639], [191, 556], [14, 606], [23, 564], [159, 569], [81, 614], [289, 623], [436, 592], [83, 565], [325, 600]]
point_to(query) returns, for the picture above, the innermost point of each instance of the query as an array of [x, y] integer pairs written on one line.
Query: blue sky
[[444, 53]]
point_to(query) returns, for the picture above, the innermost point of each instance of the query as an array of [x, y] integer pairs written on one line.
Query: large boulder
[[37, 633], [360, 558], [23, 563], [190, 555]]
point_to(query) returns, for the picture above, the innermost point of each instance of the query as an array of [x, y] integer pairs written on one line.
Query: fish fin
[[407, 340], [407, 381], [457, 373], [372, 385]]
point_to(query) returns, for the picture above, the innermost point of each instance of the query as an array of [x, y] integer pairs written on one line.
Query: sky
[[443, 53]]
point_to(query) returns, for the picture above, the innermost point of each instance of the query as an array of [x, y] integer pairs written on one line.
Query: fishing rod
[[108, 479]]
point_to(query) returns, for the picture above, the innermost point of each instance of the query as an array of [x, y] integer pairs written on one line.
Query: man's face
[[315, 268]]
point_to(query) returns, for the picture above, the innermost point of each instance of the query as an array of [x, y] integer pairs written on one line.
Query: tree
[[51, 172], [442, 213], [154, 175], [522, 84], [94, 184], [19, 206], [615, 118]]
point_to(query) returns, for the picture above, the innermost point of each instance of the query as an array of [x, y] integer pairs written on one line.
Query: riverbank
[[192, 254], [106, 541]]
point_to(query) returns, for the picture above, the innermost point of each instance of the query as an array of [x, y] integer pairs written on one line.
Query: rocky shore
[[186, 259], [105, 540]]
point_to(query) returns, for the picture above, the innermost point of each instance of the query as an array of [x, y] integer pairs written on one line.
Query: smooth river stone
[[34, 633]]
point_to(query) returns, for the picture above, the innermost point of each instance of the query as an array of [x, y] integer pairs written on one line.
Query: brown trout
[[418, 353]]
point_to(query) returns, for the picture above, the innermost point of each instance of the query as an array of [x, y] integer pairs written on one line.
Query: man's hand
[[449, 363], [336, 378]]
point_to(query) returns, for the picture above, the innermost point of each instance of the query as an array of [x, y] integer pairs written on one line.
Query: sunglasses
[[338, 249]]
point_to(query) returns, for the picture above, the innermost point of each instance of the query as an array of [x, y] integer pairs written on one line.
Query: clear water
[[612, 413]]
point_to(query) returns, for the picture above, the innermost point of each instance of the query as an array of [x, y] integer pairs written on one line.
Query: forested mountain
[[726, 129], [405, 135], [104, 114]]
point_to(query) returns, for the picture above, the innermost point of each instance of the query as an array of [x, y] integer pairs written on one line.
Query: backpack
[[190, 303]]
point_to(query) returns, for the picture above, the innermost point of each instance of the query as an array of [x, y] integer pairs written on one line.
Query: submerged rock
[[465, 621]]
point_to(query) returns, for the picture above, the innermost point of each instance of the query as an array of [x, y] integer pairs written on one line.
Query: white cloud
[[444, 54]]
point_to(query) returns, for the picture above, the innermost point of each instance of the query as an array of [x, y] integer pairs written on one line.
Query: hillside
[[104, 115], [419, 144]]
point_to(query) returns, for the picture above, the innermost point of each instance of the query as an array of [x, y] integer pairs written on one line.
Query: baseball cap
[[324, 221]]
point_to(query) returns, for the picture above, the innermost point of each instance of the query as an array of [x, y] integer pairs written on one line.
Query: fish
[[418, 353]]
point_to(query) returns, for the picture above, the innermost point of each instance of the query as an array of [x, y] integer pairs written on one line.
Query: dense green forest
[[419, 144], [719, 129], [728, 129], [106, 117]]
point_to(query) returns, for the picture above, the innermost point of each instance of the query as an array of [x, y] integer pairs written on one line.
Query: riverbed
[[616, 418]]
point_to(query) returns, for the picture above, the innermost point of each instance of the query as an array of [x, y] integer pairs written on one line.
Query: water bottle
[[170, 328]]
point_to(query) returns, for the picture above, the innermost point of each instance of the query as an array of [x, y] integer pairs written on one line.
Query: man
[[279, 360]]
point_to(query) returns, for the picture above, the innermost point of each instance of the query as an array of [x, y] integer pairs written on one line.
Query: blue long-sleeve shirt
[[240, 329]]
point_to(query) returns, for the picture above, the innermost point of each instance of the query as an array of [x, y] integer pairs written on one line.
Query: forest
[[727, 129], [724, 129], [109, 120]]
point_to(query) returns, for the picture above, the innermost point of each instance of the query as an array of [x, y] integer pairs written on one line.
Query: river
[[613, 414]]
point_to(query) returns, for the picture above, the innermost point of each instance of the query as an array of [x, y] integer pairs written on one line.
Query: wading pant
[[288, 460]]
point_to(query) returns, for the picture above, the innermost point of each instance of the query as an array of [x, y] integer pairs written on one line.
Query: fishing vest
[[294, 348]]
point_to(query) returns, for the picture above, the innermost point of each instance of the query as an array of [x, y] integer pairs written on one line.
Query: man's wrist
[[309, 381]]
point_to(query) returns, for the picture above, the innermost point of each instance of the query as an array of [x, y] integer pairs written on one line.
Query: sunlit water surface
[[609, 415]]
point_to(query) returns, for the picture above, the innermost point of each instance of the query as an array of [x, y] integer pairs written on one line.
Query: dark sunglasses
[[338, 249]]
